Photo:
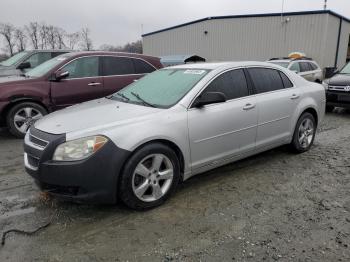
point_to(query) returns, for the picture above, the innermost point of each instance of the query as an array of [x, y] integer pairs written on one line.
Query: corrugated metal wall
[[253, 38]]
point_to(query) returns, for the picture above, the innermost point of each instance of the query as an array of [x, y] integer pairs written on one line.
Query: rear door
[[277, 99], [119, 72], [83, 83], [220, 131], [306, 71]]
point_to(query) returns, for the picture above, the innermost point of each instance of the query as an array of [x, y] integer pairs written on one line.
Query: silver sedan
[[139, 143]]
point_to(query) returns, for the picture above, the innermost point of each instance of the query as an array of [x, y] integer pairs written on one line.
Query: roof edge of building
[[248, 16]]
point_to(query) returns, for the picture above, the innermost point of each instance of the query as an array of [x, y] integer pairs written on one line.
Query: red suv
[[66, 80]]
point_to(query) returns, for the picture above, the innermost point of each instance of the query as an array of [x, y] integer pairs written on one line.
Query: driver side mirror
[[24, 65], [209, 98], [59, 75]]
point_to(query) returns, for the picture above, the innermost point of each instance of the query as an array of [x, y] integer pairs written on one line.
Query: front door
[[82, 84], [220, 131]]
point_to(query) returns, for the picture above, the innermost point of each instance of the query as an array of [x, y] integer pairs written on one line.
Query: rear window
[[286, 82], [117, 66], [265, 79], [142, 67], [304, 67]]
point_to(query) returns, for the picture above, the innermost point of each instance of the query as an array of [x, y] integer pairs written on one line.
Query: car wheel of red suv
[[21, 116]]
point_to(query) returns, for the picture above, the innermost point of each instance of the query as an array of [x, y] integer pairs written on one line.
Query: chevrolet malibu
[[139, 143]]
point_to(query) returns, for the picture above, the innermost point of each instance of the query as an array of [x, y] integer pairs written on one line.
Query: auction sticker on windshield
[[194, 72]]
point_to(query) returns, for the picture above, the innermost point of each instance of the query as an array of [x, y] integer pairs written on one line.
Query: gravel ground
[[276, 206]]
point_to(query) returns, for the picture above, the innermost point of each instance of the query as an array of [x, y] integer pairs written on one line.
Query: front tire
[[304, 133], [149, 177], [21, 116]]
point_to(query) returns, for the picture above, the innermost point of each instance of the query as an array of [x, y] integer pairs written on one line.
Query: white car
[[305, 67], [139, 143]]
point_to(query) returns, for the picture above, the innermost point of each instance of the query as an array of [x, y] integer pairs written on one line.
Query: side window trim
[[216, 76], [279, 72]]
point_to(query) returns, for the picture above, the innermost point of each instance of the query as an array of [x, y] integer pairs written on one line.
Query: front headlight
[[325, 85], [79, 149]]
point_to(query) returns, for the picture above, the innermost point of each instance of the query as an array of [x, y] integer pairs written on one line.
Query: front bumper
[[92, 180], [338, 99]]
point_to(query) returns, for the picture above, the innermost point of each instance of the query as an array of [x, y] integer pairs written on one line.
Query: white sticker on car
[[194, 72]]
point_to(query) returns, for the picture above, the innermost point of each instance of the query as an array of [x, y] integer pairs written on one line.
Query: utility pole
[[325, 5], [282, 11]]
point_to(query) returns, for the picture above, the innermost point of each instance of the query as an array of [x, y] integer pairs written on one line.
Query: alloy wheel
[[25, 117], [152, 177], [306, 133]]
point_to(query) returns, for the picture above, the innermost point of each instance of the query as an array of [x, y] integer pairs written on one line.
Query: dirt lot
[[274, 206]]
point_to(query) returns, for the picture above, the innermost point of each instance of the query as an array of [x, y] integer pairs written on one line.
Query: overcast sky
[[119, 21]]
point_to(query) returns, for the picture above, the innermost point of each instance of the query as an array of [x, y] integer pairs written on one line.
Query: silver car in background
[[138, 144], [305, 67]]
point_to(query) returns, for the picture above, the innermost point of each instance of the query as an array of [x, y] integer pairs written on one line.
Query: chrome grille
[[339, 88]]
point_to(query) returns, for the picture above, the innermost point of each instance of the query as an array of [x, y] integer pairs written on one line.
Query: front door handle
[[294, 96], [94, 84], [248, 106]]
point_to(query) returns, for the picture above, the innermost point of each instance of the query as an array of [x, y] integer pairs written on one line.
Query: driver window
[[38, 59], [82, 67], [232, 83]]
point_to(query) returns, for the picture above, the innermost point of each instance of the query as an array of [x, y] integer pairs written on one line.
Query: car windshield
[[14, 59], [346, 69], [283, 64], [45, 67], [163, 88]]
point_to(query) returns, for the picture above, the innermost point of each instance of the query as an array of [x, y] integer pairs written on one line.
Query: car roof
[[87, 53], [218, 65]]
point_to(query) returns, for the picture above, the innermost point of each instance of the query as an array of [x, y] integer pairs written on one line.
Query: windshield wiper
[[142, 100], [123, 96]]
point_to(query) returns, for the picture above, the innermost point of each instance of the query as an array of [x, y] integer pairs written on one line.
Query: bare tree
[[133, 47], [86, 42], [44, 38], [21, 39], [8, 32], [60, 35], [51, 36], [33, 32], [73, 40]]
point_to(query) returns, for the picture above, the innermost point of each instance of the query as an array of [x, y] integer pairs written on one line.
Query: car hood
[[95, 114], [15, 80], [340, 80], [7, 71]]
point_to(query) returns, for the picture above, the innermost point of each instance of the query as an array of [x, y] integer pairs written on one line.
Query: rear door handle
[[94, 84], [248, 106], [294, 96]]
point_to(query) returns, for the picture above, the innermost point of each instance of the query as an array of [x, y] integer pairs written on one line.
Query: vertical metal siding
[[254, 38], [343, 46]]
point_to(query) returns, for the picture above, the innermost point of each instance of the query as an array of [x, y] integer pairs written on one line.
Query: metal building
[[322, 35]]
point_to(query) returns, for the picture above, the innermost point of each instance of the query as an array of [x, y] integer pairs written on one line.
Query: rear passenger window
[[141, 67], [286, 82], [304, 67], [117, 66], [265, 80], [233, 84], [312, 66], [295, 67]]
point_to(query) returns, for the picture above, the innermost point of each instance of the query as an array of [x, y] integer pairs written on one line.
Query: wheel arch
[[169, 144], [18, 100]]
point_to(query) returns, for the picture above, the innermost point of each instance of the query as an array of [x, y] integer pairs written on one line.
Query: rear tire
[[329, 109], [21, 116], [149, 177], [304, 133]]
